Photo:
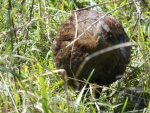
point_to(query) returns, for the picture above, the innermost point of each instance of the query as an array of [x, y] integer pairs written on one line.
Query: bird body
[[84, 33]]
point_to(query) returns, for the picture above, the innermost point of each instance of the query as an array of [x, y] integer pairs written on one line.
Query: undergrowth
[[29, 81]]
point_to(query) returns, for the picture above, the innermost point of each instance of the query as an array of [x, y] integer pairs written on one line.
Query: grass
[[30, 83]]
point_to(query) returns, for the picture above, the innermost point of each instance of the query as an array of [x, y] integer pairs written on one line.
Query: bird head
[[110, 32]]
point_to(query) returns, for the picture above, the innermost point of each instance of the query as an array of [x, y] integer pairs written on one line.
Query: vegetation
[[29, 82]]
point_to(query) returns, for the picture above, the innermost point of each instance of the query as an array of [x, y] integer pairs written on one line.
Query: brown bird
[[87, 32]]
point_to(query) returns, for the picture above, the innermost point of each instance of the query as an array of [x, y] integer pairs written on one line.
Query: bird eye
[[110, 35], [112, 38]]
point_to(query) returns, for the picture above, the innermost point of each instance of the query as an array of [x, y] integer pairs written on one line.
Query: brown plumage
[[99, 31]]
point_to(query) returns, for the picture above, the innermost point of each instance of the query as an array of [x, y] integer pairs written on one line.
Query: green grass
[[29, 81]]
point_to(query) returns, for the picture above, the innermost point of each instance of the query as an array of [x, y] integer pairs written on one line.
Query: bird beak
[[125, 53], [124, 49]]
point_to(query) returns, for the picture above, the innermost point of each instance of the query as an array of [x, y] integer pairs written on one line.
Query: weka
[[96, 31]]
